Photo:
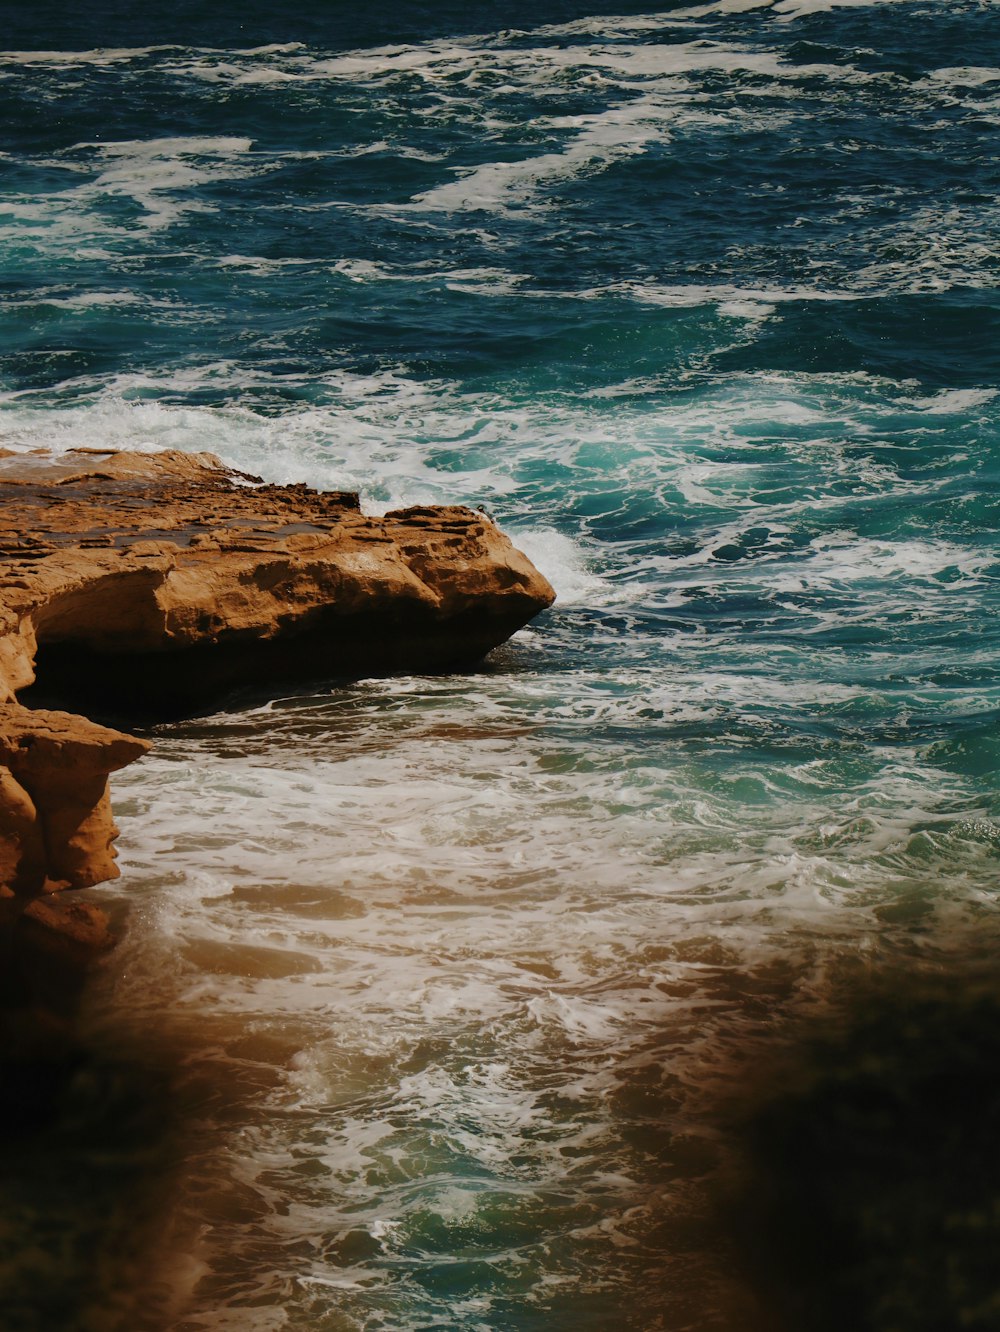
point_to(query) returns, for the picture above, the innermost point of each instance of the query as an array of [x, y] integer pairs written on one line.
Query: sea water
[[644, 977]]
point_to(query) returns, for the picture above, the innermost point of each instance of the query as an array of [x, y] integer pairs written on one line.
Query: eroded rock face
[[56, 832], [56, 829], [151, 584]]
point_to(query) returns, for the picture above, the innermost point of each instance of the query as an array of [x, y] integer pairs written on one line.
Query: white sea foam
[[161, 175], [610, 27], [480, 281], [844, 558], [956, 401], [659, 82], [89, 300], [651, 93], [782, 10], [112, 55], [364, 442], [431, 952], [498, 186], [523, 896], [455, 858], [754, 311], [793, 9], [101, 56], [963, 76], [565, 566], [400, 441], [194, 145]]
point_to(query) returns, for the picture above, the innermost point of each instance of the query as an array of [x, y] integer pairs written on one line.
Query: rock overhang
[[151, 585]]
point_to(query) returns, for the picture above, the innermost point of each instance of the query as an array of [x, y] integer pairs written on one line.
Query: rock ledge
[[149, 585]]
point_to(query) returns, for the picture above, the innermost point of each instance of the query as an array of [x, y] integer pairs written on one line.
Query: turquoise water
[[476, 999]]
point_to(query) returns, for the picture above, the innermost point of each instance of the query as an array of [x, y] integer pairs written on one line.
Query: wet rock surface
[[146, 586]]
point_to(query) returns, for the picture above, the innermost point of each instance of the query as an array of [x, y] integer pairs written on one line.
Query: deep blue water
[[701, 304]]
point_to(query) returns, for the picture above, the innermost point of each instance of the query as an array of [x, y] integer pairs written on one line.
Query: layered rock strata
[[152, 584], [149, 585]]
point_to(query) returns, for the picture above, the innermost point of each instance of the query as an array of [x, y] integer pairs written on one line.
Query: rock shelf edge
[[149, 586]]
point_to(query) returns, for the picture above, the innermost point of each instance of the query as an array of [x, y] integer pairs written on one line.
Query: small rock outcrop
[[56, 832], [149, 585], [56, 829]]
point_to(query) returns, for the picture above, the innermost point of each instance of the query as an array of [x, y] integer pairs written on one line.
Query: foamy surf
[[474, 1002]]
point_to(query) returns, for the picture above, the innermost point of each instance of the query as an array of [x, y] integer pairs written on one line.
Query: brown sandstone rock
[[56, 832], [152, 583], [56, 829]]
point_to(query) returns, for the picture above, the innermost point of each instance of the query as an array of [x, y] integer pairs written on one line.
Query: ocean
[[646, 977]]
